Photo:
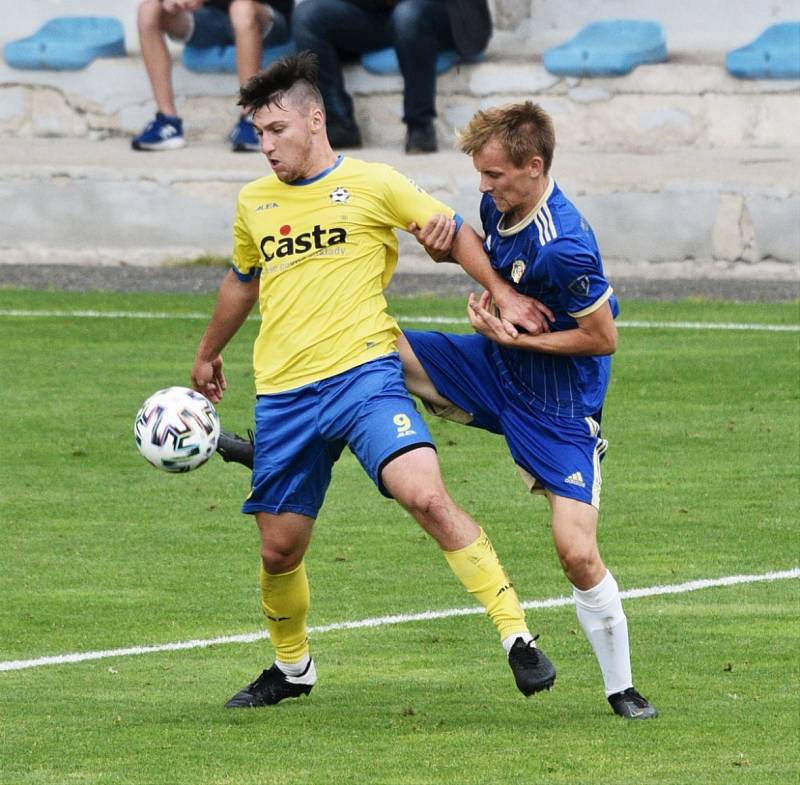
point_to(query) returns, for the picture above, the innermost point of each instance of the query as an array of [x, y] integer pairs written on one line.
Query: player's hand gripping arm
[[596, 333], [436, 237], [234, 302], [516, 310], [443, 243]]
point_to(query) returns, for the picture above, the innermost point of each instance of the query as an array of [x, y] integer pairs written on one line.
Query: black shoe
[[344, 136], [233, 447], [273, 686], [631, 705], [421, 139], [533, 672]]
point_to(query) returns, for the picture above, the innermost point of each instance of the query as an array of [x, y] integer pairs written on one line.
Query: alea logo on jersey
[[289, 244]]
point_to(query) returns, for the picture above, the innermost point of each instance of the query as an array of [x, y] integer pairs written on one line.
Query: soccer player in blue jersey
[[543, 392], [314, 245]]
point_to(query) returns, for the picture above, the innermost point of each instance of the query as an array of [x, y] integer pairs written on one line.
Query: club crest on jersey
[[340, 195], [579, 285], [517, 270]]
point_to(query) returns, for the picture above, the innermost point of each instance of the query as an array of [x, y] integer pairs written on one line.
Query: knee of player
[[431, 505], [277, 560], [578, 560]]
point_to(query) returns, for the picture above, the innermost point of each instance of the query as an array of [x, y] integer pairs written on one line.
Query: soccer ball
[[177, 429]]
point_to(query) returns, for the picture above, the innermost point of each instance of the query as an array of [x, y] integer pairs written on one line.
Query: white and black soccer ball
[[177, 429]]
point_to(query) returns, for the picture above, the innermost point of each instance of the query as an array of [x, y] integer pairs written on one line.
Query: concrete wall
[[670, 104], [685, 212]]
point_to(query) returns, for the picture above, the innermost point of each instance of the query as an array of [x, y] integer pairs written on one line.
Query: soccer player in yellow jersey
[[314, 244]]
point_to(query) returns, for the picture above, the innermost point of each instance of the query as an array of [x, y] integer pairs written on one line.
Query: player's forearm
[[594, 335], [234, 303], [468, 251], [579, 342]]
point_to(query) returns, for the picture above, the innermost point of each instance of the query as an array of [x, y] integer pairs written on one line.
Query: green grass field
[[99, 551]]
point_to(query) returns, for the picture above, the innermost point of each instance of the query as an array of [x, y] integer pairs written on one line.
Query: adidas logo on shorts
[[576, 478]]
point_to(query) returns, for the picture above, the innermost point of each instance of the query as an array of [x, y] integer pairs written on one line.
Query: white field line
[[772, 328], [384, 621], [775, 328]]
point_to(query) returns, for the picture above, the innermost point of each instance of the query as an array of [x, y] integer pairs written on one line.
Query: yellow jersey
[[325, 249]]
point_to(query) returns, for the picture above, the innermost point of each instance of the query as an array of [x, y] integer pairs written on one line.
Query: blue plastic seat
[[612, 47], [222, 59], [384, 62], [775, 54], [67, 43]]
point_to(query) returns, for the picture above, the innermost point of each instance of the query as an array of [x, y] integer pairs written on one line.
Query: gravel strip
[[202, 280]]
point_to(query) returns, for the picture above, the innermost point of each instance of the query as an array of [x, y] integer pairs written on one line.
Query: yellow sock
[[285, 599], [479, 569]]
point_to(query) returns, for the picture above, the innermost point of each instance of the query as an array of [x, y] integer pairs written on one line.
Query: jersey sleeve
[[245, 259], [578, 275], [406, 203]]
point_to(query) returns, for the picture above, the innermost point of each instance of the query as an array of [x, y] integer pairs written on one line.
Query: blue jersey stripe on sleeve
[[255, 272]]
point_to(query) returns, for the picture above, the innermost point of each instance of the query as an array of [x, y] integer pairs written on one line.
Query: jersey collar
[[309, 180], [508, 231]]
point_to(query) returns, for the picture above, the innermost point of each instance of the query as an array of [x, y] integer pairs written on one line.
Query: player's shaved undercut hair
[[293, 78], [523, 130]]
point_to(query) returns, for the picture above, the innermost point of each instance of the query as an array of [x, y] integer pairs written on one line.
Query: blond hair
[[523, 130]]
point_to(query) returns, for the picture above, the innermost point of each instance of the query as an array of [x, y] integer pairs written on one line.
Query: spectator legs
[[421, 30], [335, 30]]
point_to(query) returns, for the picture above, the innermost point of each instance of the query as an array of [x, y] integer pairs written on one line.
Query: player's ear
[[536, 166], [317, 120]]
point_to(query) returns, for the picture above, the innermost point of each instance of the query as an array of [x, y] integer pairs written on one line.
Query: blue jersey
[[552, 255]]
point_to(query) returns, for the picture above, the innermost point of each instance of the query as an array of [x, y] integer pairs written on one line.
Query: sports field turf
[[101, 552]]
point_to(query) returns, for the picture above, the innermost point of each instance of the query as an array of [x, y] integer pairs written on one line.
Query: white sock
[[301, 672], [509, 641], [603, 620]]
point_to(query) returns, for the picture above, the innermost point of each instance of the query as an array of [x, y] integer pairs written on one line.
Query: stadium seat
[[67, 43], [775, 54], [222, 59], [612, 47], [384, 61]]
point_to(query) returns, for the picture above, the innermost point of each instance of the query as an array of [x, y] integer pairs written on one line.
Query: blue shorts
[[301, 433], [558, 454], [212, 27]]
